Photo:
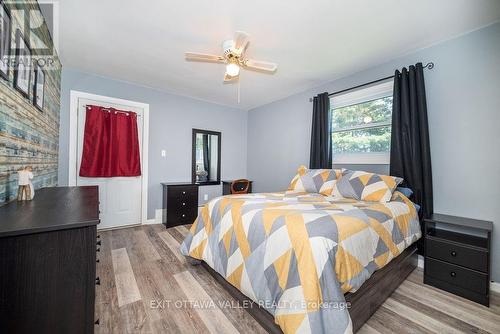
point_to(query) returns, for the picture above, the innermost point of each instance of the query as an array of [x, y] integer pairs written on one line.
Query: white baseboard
[[495, 287], [117, 227], [158, 218], [420, 262], [151, 222]]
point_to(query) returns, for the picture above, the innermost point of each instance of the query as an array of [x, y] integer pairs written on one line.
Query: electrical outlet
[[163, 153], [205, 197]]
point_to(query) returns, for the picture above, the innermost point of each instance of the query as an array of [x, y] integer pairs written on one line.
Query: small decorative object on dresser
[[236, 187], [180, 201], [25, 190], [457, 256]]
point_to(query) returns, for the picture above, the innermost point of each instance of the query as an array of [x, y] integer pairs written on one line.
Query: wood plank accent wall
[[29, 137]]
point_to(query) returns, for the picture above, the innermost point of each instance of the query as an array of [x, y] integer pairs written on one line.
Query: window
[[361, 125]]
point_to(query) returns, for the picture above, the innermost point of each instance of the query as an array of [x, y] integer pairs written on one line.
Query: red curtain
[[110, 143]]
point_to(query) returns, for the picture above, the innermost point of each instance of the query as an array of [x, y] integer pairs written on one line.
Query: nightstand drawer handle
[[183, 215], [453, 253], [183, 203], [453, 274], [184, 193]]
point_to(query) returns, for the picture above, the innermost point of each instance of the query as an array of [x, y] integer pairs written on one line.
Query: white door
[[120, 197]]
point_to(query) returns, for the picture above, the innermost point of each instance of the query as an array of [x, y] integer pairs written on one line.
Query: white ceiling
[[312, 41]]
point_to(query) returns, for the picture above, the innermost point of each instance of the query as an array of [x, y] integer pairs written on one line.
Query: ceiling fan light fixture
[[232, 69]]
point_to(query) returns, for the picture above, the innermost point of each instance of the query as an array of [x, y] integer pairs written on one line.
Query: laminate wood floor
[[148, 287]]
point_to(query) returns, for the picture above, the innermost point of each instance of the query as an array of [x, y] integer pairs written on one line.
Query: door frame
[[73, 133]]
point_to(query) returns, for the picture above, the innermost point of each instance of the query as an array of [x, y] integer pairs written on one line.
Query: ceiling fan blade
[[193, 56], [258, 65], [241, 40], [230, 79]]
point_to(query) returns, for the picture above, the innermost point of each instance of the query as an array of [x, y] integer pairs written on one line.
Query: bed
[[302, 257]]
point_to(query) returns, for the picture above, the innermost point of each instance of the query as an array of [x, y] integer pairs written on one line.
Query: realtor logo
[[29, 28]]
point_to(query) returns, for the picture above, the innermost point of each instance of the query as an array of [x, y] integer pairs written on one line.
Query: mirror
[[206, 157]]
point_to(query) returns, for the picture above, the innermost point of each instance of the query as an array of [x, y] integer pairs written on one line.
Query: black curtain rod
[[429, 66]]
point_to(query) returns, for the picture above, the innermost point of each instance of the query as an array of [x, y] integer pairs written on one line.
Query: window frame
[[362, 95]]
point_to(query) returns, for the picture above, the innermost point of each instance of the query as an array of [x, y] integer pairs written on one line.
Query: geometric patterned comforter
[[296, 254]]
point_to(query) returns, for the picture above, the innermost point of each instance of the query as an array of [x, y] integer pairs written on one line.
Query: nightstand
[[180, 203], [457, 256]]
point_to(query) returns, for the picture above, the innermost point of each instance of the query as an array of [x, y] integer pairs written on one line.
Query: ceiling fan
[[234, 58]]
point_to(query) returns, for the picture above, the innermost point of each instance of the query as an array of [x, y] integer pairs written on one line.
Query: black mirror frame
[[193, 156]]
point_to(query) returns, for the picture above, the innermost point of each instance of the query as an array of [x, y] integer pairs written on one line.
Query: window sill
[[362, 159]]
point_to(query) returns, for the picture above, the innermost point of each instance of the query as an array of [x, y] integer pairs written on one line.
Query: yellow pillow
[[364, 186], [320, 181]]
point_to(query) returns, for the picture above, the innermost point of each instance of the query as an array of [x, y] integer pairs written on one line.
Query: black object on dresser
[[48, 262], [180, 201], [226, 187], [457, 256]]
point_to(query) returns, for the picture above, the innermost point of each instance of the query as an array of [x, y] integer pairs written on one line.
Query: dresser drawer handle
[[453, 253], [184, 193], [183, 203], [183, 215], [453, 274]]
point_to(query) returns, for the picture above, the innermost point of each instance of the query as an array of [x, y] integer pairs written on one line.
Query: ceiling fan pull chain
[[238, 92]]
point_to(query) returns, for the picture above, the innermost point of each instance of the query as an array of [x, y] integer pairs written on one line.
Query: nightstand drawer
[[456, 275], [457, 254], [183, 203], [188, 191]]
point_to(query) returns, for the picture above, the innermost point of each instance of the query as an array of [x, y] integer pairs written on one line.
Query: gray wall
[[171, 120], [463, 99]]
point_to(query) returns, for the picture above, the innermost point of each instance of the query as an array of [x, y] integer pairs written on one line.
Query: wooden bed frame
[[364, 302]]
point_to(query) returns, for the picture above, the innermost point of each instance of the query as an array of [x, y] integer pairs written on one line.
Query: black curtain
[[206, 155], [410, 149], [321, 137]]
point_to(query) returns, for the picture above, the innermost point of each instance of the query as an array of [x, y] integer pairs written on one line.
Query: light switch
[[205, 197], [163, 153]]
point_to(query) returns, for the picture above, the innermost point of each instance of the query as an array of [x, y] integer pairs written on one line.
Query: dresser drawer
[[456, 254], [176, 216], [183, 191], [456, 275]]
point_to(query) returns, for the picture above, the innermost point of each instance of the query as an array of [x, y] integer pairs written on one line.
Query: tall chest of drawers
[[180, 203]]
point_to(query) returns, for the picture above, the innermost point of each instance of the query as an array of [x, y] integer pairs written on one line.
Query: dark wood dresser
[[457, 256], [180, 203], [226, 187], [48, 262]]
